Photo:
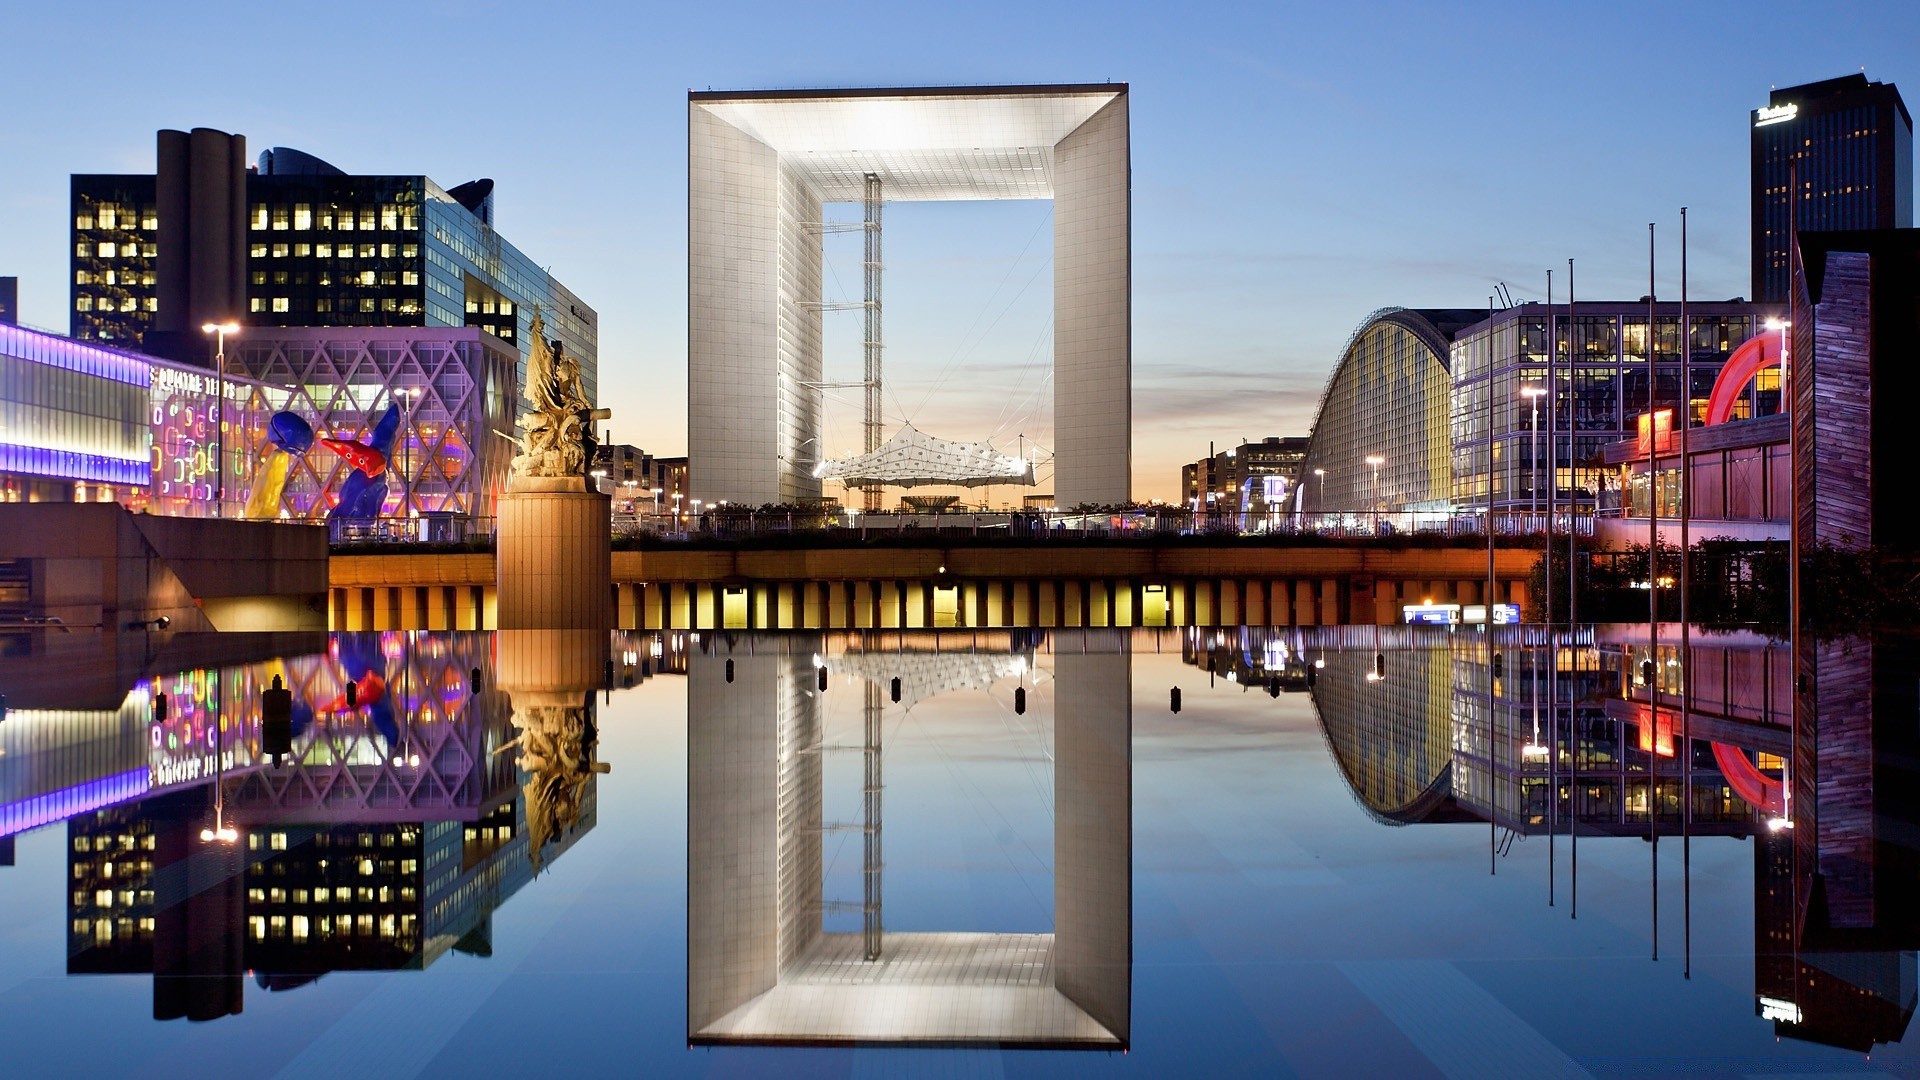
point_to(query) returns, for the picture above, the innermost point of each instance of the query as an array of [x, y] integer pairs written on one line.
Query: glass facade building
[[73, 419], [1387, 398], [324, 248], [82, 422], [1593, 401]]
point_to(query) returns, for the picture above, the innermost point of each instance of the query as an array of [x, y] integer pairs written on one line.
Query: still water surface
[[969, 854]]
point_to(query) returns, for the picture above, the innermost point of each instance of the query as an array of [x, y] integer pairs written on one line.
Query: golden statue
[[559, 438]]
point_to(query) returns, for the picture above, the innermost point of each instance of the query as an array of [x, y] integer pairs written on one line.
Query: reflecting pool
[[1327, 851]]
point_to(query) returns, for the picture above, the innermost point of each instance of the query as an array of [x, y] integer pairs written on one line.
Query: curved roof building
[[1386, 398], [1392, 737]]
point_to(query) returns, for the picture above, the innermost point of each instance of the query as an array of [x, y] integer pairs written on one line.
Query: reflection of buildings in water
[[1837, 895], [639, 655], [352, 857], [762, 967], [1409, 722]]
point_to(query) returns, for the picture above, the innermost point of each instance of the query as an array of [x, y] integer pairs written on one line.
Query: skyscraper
[[1850, 142]]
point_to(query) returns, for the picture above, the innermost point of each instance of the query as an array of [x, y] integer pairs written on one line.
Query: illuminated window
[[277, 896], [322, 895], [130, 303], [83, 303], [280, 303], [149, 219], [301, 251], [281, 218], [257, 277], [103, 898], [409, 251], [149, 251], [324, 303], [366, 251], [108, 249], [302, 216], [257, 251], [366, 218], [299, 928], [279, 251], [367, 304], [109, 215], [259, 218], [345, 223], [150, 303], [409, 277], [366, 277], [257, 303], [390, 217], [389, 304], [83, 221], [256, 896], [325, 251]]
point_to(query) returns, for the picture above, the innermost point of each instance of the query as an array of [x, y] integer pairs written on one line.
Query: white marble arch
[[760, 164]]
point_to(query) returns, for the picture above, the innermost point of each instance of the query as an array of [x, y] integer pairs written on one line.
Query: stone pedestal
[[554, 562]]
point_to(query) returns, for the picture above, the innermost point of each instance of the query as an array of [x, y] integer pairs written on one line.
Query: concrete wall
[[1093, 830], [1093, 311], [95, 564]]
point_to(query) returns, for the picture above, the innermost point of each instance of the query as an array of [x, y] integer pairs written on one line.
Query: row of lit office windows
[[110, 215], [300, 928], [366, 305], [109, 249], [302, 217], [329, 251], [125, 868], [105, 899], [330, 277], [121, 842], [104, 930], [122, 303], [364, 894], [115, 277]]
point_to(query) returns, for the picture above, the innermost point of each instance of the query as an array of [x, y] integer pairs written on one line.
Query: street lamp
[[676, 509], [656, 501], [410, 395], [220, 332], [1533, 395], [1375, 460]]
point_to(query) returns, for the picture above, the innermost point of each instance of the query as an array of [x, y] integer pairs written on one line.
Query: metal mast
[[872, 926], [873, 346]]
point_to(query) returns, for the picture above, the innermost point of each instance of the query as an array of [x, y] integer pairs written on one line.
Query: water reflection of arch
[[1391, 735], [762, 968]]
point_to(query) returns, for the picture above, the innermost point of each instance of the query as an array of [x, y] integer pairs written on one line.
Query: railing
[[1030, 525], [1062, 524]]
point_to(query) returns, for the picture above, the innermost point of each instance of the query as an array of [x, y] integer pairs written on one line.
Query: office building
[[1849, 144], [1591, 402], [293, 242], [1250, 478]]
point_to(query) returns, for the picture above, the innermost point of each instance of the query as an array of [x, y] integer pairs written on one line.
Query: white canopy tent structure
[[912, 458]]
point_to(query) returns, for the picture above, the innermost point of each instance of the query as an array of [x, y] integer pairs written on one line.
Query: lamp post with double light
[[220, 332], [1374, 461], [1533, 395], [409, 506]]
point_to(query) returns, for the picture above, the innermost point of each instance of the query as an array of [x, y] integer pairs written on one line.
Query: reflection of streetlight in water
[[221, 832]]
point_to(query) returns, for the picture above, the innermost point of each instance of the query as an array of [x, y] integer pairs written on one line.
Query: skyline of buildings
[[291, 196]]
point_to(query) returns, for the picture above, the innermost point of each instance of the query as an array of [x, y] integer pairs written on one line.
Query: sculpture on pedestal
[[559, 438]]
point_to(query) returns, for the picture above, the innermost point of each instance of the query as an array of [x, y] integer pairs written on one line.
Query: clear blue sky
[[1295, 165]]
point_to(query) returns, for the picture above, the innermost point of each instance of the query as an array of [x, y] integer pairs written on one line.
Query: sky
[[1295, 166]]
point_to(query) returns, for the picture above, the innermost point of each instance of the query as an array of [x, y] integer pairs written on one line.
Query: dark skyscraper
[[1853, 142]]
